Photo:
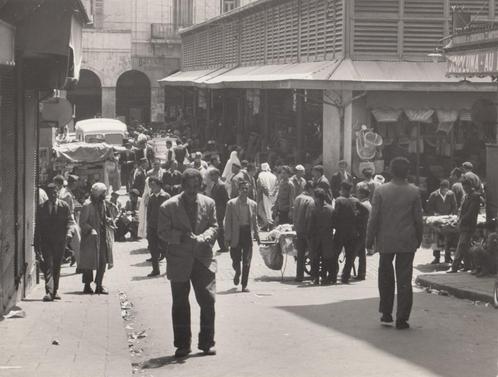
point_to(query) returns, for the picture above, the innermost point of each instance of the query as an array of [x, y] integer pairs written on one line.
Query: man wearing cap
[[52, 231], [97, 237], [298, 179]]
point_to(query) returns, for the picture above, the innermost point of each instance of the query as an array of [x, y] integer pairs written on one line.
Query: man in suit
[[219, 194], [321, 236], [139, 176], [341, 176], [52, 231], [241, 227], [156, 199], [187, 224], [396, 227], [320, 181], [172, 179]]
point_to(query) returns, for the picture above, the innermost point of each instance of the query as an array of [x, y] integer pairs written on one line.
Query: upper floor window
[[228, 5]]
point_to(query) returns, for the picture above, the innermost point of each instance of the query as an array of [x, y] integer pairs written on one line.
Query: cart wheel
[[307, 265]]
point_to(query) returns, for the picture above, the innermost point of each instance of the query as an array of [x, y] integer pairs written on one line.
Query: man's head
[[444, 186], [342, 165], [191, 182], [173, 165], [367, 173], [235, 168], [467, 185], [213, 174], [363, 192], [143, 163], [456, 174], [243, 164], [155, 185], [52, 192], [215, 161], [243, 188], [98, 192], [308, 187], [58, 181], [346, 188], [320, 197], [198, 157], [72, 181], [400, 167], [169, 144], [157, 164], [467, 166], [317, 171], [251, 169], [299, 169], [114, 197], [285, 172]]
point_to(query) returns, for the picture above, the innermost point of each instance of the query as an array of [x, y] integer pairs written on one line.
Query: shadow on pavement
[[443, 343], [428, 268], [163, 361], [141, 264], [145, 277], [139, 251], [229, 291]]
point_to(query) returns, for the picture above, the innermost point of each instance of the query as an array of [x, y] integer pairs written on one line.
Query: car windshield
[[114, 139]]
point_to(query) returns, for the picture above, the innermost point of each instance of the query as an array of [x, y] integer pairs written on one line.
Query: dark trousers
[[462, 251], [242, 254], [154, 248], [52, 260], [99, 276], [361, 253], [301, 245], [283, 217], [349, 244], [204, 284], [321, 262], [221, 234], [404, 272]]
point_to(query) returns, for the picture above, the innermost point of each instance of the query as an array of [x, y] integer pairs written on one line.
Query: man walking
[[320, 181], [53, 227], [241, 227], [219, 194], [285, 197], [156, 199], [342, 175], [187, 224], [396, 226]]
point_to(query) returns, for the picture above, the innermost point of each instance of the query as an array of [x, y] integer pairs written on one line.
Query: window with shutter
[[253, 36], [334, 28], [216, 46], [376, 6], [282, 33], [188, 52], [376, 37], [475, 7], [231, 43], [424, 8], [202, 48], [421, 37]]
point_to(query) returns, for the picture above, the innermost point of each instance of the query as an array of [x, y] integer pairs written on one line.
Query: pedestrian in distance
[[285, 197], [241, 228], [157, 197], [52, 234], [396, 227], [298, 179], [342, 175], [320, 181], [139, 176], [219, 194], [187, 224], [97, 238], [363, 194]]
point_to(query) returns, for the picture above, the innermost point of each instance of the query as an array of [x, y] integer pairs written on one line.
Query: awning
[[386, 115], [419, 115], [191, 78]]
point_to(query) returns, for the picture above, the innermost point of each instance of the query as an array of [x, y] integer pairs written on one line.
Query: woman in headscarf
[[227, 173], [267, 187]]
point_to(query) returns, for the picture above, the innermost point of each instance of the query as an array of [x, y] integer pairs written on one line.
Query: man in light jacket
[[187, 224], [241, 227], [396, 227]]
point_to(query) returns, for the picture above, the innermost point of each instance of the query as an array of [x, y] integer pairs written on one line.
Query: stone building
[[128, 48]]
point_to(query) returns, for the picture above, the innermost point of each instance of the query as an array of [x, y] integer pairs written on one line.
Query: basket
[[272, 255]]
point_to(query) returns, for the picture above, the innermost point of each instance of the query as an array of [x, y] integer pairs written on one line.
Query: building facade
[[128, 48], [304, 76]]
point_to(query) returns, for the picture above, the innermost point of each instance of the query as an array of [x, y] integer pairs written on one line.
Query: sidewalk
[[461, 285], [81, 335]]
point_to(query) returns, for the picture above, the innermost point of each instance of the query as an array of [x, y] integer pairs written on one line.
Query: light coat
[[232, 221], [90, 242], [174, 225]]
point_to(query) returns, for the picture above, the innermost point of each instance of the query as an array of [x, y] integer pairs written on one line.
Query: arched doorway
[[133, 97], [87, 96]]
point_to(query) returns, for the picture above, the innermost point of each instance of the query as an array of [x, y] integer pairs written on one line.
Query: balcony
[[165, 33]]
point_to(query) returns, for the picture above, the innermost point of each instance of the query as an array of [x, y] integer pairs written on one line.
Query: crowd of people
[[185, 202]]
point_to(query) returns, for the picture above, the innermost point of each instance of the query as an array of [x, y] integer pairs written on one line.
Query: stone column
[[331, 135], [108, 102]]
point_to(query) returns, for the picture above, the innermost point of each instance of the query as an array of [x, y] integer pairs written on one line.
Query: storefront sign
[[7, 38], [473, 63]]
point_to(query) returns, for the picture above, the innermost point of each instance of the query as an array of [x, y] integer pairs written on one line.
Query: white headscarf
[[98, 188], [265, 166], [227, 173]]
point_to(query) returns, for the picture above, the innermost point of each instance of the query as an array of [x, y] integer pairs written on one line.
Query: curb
[[425, 281]]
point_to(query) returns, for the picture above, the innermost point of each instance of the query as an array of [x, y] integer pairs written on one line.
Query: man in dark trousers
[[321, 236], [342, 175], [52, 231], [219, 194], [241, 228], [396, 227], [187, 224], [346, 214], [139, 176], [157, 197]]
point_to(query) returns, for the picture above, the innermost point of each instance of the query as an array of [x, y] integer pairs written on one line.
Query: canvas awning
[[419, 115], [386, 115], [191, 78]]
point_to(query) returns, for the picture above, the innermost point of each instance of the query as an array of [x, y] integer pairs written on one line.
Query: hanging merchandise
[[419, 115], [412, 145], [447, 119], [367, 143]]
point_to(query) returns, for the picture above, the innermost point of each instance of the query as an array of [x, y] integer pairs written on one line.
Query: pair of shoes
[[448, 260], [153, 274], [451, 271], [344, 281], [88, 289], [402, 325], [208, 351], [359, 278], [236, 279], [436, 261], [56, 296], [48, 297], [298, 280], [245, 289], [386, 319], [101, 291], [316, 281], [182, 352]]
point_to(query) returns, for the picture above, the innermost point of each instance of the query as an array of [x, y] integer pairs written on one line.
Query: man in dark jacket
[[219, 194], [172, 179], [139, 176], [320, 181], [467, 223], [157, 197], [53, 225], [341, 176]]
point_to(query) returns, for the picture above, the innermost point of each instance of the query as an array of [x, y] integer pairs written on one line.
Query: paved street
[[282, 328]]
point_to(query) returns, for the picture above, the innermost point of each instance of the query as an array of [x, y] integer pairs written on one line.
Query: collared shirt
[[191, 210]]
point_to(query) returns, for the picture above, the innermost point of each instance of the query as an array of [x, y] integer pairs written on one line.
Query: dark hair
[[367, 172], [400, 166], [444, 184], [213, 171], [286, 169], [467, 182], [457, 172], [58, 179], [346, 186], [243, 182], [244, 163], [320, 194], [318, 168], [251, 166], [156, 180], [363, 190], [308, 185], [191, 173]]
